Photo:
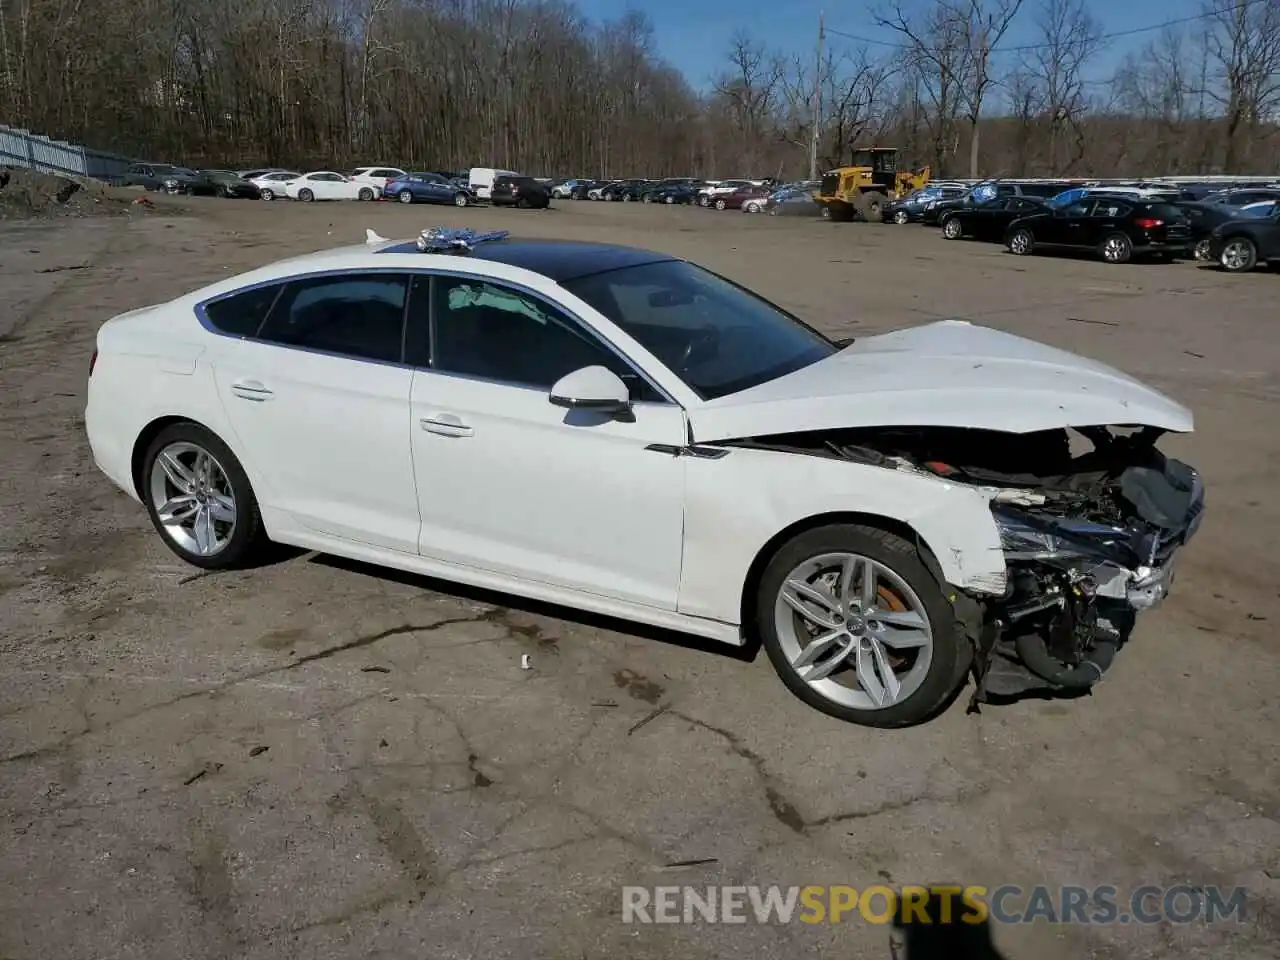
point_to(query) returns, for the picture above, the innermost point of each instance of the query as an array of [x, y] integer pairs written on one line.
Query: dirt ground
[[317, 759]]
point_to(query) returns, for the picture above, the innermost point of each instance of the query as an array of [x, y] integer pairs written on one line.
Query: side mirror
[[592, 388]]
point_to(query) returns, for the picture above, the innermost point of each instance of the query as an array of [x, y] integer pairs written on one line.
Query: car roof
[[558, 260]]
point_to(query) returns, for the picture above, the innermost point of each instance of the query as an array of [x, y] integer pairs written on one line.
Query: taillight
[[1147, 223], [93, 361]]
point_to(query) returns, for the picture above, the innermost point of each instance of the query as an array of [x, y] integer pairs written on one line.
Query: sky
[[694, 36]]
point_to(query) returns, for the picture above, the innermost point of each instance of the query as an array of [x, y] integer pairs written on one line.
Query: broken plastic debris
[[526, 662], [371, 237]]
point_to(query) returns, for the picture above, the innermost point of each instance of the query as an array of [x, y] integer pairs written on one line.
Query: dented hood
[[946, 374]]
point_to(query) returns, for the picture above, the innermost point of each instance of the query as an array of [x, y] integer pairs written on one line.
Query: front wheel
[[858, 628], [721, 205], [901, 216], [405, 196], [1116, 248], [1239, 255], [951, 228], [460, 200], [199, 498], [1021, 242]]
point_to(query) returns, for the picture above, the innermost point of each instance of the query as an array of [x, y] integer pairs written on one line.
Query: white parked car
[[377, 176], [626, 433], [271, 185], [329, 185]]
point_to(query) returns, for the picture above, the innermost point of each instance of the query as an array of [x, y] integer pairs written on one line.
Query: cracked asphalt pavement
[[319, 759]]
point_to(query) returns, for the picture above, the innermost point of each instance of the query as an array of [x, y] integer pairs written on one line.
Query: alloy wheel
[[405, 197], [1237, 255], [460, 200], [951, 229], [1020, 242], [193, 498], [1202, 249], [268, 195], [901, 217], [853, 630], [1115, 249]]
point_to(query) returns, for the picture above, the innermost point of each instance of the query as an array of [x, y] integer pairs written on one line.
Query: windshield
[[719, 338]]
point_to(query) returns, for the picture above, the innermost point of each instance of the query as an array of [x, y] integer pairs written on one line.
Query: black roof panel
[[558, 260]]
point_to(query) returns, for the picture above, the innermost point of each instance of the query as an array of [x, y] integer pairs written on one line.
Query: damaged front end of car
[[1091, 520]]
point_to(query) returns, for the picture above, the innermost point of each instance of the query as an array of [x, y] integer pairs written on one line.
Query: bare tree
[[1066, 38], [750, 88], [1243, 48]]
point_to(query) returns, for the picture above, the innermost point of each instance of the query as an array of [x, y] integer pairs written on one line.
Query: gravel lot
[[318, 759]]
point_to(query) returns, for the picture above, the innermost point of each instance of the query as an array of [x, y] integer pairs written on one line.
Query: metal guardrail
[[22, 148]]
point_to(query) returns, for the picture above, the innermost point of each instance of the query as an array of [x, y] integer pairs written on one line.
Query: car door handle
[[251, 390], [446, 425]]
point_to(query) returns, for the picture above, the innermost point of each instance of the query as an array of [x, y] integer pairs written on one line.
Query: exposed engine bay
[[1090, 519]]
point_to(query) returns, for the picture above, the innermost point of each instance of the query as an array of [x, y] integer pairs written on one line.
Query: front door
[[318, 402], [510, 483]]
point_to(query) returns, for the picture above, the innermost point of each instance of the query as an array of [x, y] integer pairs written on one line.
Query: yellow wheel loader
[[862, 189]]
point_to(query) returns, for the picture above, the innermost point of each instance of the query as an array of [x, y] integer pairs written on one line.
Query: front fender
[[736, 504]]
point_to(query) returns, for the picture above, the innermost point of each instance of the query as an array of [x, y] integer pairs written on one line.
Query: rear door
[[1109, 215], [318, 401]]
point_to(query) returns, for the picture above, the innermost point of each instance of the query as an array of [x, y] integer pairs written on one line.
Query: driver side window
[[495, 332]]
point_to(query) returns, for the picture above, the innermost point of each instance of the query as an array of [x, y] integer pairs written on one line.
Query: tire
[[233, 544], [267, 194], [365, 193], [668, 199], [646, 199], [935, 658], [626, 198], [721, 205], [952, 229], [1239, 255], [752, 207], [1021, 242], [405, 196], [460, 200], [305, 195], [1201, 251], [1115, 248], [873, 207], [901, 216]]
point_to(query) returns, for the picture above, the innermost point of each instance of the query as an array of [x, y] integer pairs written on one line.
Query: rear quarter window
[[1166, 211], [242, 314]]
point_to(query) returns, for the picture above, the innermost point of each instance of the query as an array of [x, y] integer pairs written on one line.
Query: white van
[[481, 180]]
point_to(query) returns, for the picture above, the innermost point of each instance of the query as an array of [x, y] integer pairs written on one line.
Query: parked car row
[[1236, 226]]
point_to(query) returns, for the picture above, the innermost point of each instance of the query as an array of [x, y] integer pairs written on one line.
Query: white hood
[[945, 374]]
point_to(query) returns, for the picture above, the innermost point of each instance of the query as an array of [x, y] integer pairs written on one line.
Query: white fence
[[21, 148]]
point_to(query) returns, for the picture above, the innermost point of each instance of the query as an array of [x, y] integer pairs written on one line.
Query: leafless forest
[[534, 85]]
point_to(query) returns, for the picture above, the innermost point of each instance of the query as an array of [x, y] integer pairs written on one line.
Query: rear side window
[[242, 314], [1166, 211], [356, 315]]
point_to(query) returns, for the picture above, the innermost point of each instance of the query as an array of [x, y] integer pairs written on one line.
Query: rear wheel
[[267, 193], [1239, 255], [1116, 248], [721, 205], [1202, 249], [1021, 242], [365, 193], [901, 216], [858, 628], [199, 498], [952, 228], [305, 195]]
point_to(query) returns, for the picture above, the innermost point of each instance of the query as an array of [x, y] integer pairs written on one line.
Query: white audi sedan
[[329, 185], [624, 432]]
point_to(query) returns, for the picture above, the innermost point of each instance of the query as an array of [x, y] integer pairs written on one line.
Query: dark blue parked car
[[428, 188]]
